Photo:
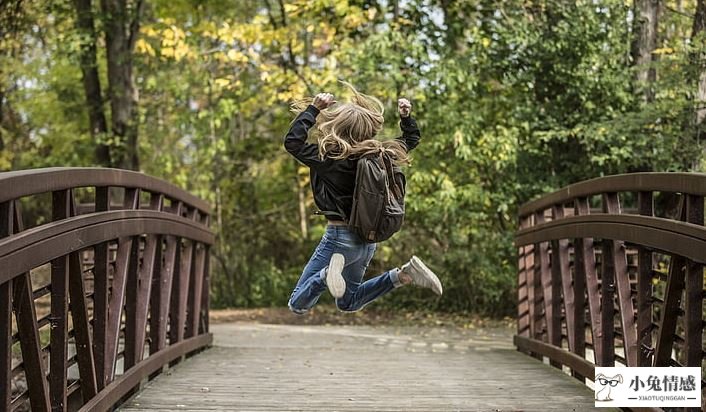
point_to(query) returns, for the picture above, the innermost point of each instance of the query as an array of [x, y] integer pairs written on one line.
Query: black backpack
[[378, 199]]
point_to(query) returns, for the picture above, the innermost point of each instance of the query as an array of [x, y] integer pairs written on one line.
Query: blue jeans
[[357, 254]]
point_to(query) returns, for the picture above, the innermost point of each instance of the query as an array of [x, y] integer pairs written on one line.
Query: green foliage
[[514, 98]]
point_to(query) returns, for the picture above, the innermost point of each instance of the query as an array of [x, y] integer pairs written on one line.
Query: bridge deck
[[325, 368]]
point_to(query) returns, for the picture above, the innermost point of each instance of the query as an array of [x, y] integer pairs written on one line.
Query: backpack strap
[[391, 182]]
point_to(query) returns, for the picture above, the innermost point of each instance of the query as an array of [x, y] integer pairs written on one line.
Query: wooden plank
[[694, 285], [585, 264], [671, 306], [136, 317], [535, 297], [173, 263], [607, 297], [101, 267], [573, 294], [59, 319], [162, 292], [550, 291], [26, 317], [257, 371], [5, 345], [131, 379], [534, 293], [578, 315], [562, 274], [81, 325], [619, 265], [125, 264], [645, 204], [181, 287], [6, 226], [196, 287], [205, 299], [522, 284], [182, 293]]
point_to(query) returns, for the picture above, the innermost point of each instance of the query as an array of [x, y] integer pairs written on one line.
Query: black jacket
[[333, 181]]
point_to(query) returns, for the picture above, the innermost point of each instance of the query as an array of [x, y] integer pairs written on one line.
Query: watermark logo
[[606, 384], [648, 387]]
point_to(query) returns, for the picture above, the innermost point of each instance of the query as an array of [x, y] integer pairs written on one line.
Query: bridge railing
[[94, 303], [613, 268]]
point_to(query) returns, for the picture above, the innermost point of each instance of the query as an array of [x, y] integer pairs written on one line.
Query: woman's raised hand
[[323, 101], [404, 107]]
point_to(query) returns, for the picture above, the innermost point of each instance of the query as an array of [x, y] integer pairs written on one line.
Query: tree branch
[[135, 25]]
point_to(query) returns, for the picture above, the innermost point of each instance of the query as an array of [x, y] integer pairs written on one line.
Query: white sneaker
[[421, 275], [334, 280]]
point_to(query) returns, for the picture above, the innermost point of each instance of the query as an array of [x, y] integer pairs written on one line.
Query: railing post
[[81, 322], [534, 291], [125, 266], [693, 310], [585, 264], [59, 320], [6, 217], [671, 305], [177, 325], [550, 290], [205, 296], [607, 298], [162, 297], [523, 277], [645, 204], [138, 293], [618, 263], [28, 331], [101, 266]]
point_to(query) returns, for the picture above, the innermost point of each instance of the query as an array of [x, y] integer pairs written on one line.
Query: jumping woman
[[347, 131]]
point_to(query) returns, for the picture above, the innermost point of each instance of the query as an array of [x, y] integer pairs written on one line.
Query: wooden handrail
[[554, 294], [149, 267]]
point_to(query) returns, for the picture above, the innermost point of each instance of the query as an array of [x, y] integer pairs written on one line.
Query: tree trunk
[[2, 102], [91, 80], [120, 35], [645, 23], [301, 192], [699, 65]]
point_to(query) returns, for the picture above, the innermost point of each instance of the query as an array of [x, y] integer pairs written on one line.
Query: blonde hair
[[349, 129]]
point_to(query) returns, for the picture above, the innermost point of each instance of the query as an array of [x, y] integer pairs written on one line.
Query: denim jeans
[[357, 254]]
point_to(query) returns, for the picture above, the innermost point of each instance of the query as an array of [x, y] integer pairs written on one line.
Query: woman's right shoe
[[334, 278], [421, 275]]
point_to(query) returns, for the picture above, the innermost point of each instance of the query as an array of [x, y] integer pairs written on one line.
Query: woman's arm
[[295, 140], [410, 131]]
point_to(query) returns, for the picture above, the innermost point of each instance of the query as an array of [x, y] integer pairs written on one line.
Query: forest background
[[514, 98]]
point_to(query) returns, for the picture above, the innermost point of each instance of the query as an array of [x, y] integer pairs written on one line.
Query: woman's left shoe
[[334, 278], [422, 276]]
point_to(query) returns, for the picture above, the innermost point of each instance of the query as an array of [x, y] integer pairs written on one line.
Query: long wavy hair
[[348, 129]]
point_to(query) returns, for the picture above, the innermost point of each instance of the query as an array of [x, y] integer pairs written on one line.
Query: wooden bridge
[[103, 302]]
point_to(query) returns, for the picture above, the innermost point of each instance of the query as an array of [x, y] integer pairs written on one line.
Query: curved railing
[[603, 265], [106, 272]]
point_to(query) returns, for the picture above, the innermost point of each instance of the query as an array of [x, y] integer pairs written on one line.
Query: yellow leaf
[[222, 82], [663, 50], [237, 56], [167, 52], [141, 46]]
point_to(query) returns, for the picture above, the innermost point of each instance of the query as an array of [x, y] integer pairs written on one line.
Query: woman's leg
[[358, 293], [311, 283]]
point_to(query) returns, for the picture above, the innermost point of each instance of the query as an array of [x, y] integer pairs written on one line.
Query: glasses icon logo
[[607, 383]]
